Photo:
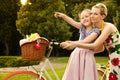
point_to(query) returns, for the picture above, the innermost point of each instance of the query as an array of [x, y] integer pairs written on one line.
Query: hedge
[[14, 61]]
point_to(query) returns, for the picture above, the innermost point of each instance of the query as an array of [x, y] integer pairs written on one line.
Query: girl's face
[[85, 18], [95, 15]]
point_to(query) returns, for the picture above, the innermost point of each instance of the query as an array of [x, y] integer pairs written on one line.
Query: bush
[[15, 61]]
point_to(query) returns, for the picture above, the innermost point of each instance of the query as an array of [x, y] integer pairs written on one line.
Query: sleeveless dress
[[112, 44], [81, 64]]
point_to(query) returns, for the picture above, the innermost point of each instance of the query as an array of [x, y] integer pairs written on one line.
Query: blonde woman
[[109, 36]]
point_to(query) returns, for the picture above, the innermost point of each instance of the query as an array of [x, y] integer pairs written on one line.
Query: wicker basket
[[30, 53]]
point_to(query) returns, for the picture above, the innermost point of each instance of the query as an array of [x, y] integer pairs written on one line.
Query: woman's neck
[[99, 25]]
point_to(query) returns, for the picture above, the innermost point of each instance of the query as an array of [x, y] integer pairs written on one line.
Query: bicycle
[[34, 74], [102, 71]]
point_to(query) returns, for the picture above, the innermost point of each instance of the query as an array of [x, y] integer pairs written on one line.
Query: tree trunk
[[6, 48]]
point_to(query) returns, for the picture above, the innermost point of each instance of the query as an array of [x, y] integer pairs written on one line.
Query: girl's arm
[[90, 39], [69, 44], [69, 20]]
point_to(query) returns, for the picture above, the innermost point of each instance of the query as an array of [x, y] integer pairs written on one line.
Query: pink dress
[[81, 64]]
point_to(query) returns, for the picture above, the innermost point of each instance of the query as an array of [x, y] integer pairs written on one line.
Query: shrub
[[15, 61]]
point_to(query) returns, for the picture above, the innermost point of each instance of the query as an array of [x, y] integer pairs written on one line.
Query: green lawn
[[60, 71], [101, 60]]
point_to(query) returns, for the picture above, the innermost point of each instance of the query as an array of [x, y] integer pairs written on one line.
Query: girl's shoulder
[[96, 30]]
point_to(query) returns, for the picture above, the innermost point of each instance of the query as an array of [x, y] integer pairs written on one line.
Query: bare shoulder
[[110, 26]]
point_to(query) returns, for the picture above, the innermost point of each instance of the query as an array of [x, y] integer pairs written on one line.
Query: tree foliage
[[116, 20], [39, 17]]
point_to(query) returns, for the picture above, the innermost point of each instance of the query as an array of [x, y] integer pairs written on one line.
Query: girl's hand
[[69, 45], [58, 14], [64, 44]]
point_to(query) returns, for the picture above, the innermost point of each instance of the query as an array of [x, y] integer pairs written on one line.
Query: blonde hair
[[102, 7], [85, 10]]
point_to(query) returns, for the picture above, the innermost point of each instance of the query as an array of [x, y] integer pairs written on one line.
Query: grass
[[2, 75], [60, 71], [60, 60], [101, 60]]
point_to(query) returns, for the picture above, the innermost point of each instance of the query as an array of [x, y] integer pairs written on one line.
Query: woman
[[81, 64], [109, 36]]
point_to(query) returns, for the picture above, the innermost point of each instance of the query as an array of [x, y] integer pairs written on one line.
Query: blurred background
[[23, 17]]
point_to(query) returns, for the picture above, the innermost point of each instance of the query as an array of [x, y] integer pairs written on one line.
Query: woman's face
[[95, 15], [85, 18]]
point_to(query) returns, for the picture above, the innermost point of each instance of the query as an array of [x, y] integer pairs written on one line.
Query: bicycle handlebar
[[56, 43], [50, 48], [53, 41]]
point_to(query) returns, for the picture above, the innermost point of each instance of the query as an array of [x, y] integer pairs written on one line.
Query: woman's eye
[[86, 16], [96, 14]]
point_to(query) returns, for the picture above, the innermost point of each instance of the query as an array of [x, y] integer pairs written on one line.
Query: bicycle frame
[[102, 72], [43, 69], [37, 73]]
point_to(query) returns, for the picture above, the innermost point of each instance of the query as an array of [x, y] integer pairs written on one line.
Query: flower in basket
[[32, 37]]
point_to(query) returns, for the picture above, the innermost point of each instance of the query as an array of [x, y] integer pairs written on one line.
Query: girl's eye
[[82, 18]]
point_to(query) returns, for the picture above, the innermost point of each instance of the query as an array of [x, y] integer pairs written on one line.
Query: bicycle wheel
[[23, 75], [101, 75]]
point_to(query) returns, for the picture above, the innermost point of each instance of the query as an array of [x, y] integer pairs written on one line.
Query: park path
[[12, 69]]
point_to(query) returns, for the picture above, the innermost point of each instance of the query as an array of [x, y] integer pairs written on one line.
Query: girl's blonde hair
[[102, 7], [85, 10]]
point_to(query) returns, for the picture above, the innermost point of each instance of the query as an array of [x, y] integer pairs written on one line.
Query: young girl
[[109, 35], [81, 64]]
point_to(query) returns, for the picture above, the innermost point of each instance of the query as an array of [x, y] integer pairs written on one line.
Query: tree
[[8, 33], [116, 20], [38, 17]]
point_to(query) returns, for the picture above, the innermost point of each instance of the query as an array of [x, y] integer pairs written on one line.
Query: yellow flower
[[119, 49], [34, 36]]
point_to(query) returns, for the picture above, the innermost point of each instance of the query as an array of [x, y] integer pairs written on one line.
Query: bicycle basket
[[32, 53]]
